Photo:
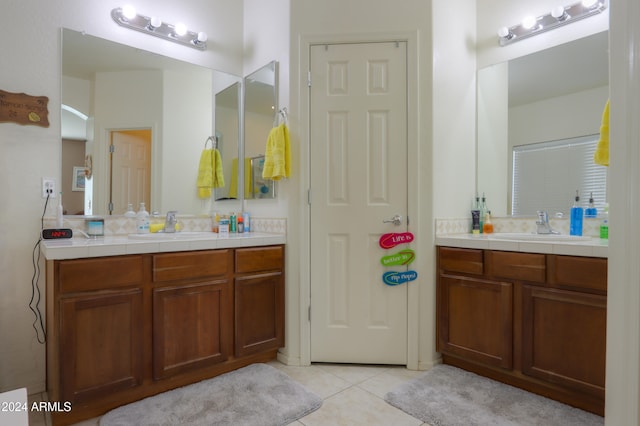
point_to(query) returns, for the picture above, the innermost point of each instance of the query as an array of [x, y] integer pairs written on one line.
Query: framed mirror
[[261, 114], [550, 96], [118, 100]]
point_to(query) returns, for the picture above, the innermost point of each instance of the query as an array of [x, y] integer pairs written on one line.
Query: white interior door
[[358, 106], [130, 169]]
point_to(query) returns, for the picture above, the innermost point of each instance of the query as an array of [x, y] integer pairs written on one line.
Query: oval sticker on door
[[403, 257], [393, 239], [395, 278]]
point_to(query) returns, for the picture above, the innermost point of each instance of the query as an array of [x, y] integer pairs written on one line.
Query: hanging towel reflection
[[601, 155], [210, 173], [277, 157]]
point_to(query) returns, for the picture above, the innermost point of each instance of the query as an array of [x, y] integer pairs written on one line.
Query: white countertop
[[77, 248], [590, 247]]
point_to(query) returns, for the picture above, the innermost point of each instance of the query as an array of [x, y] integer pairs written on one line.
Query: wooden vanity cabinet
[[192, 310], [99, 312], [536, 321], [122, 328], [259, 299], [475, 314]]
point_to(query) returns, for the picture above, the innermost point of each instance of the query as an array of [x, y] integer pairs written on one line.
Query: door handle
[[396, 220]]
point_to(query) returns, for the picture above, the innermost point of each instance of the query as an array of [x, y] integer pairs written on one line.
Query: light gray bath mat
[[254, 395], [448, 396]]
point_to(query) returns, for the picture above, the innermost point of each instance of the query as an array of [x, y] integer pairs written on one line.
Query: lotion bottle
[[577, 212], [142, 220]]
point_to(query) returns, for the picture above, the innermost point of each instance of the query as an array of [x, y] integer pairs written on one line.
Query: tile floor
[[353, 395]]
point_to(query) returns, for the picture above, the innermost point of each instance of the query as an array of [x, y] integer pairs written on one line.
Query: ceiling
[[568, 68]]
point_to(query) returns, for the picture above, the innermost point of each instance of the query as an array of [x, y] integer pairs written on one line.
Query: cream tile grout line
[[514, 224]]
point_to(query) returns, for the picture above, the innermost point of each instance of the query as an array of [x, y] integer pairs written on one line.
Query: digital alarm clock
[[54, 234]]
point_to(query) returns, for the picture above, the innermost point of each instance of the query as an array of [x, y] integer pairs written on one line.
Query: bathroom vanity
[[152, 316], [526, 315]]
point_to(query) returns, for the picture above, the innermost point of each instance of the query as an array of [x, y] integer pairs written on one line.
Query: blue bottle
[[591, 211], [577, 212]]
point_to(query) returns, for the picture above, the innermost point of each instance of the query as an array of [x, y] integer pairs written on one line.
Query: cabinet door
[[192, 327], [101, 344], [564, 338], [259, 311], [475, 319]]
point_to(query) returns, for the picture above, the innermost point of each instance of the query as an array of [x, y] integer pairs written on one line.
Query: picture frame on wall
[[79, 178]]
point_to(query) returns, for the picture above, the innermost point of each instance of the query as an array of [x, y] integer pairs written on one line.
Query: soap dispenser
[[575, 226], [591, 211]]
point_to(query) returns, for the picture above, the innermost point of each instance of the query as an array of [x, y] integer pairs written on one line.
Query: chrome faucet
[[171, 221], [542, 224]]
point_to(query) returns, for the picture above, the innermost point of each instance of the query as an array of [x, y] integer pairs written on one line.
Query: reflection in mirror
[[158, 109], [227, 127], [260, 114], [552, 95]]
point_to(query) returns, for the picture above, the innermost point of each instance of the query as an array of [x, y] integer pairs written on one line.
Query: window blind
[[546, 176]]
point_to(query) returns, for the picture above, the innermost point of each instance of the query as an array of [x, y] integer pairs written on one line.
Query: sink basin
[[172, 236], [556, 238]]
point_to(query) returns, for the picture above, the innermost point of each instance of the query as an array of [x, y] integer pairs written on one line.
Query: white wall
[[30, 46]]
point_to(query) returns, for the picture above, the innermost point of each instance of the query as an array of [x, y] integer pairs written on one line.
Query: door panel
[[130, 169], [358, 179]]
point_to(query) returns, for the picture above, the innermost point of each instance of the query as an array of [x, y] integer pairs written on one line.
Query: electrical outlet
[[48, 187]]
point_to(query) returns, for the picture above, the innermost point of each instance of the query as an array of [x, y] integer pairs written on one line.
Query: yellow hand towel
[[210, 173], [277, 157], [601, 156]]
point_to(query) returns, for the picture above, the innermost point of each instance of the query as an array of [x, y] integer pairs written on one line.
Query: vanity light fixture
[[558, 17], [127, 17]]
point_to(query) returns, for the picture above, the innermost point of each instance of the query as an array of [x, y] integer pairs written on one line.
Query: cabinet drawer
[[587, 273], [461, 260], [99, 273], [192, 265], [517, 266], [259, 259]]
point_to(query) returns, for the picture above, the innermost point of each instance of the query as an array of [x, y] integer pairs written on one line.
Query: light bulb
[[202, 37], [154, 22], [129, 11], [589, 3], [529, 22], [180, 29], [503, 32]]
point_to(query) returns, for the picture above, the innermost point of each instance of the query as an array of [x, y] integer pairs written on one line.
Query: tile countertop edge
[[593, 248], [76, 248]]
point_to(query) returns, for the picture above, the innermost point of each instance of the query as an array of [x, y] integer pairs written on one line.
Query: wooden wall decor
[[24, 109]]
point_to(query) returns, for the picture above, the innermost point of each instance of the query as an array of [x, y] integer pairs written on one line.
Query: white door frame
[[413, 308]]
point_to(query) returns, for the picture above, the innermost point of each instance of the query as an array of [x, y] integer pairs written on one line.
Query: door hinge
[[309, 196], [308, 78], [110, 207], [112, 149], [309, 313]]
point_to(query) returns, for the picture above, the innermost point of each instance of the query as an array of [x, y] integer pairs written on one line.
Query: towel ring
[[282, 114], [214, 142]]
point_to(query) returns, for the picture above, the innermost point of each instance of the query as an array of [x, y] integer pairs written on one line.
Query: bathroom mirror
[[554, 94], [227, 125], [157, 108], [260, 116]]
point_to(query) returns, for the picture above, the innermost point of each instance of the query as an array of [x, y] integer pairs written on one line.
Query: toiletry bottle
[[130, 212], [142, 220], [246, 218], [475, 217], [215, 222], [233, 222], [483, 212], [577, 212], [487, 226], [59, 213], [240, 225], [604, 224], [591, 211]]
